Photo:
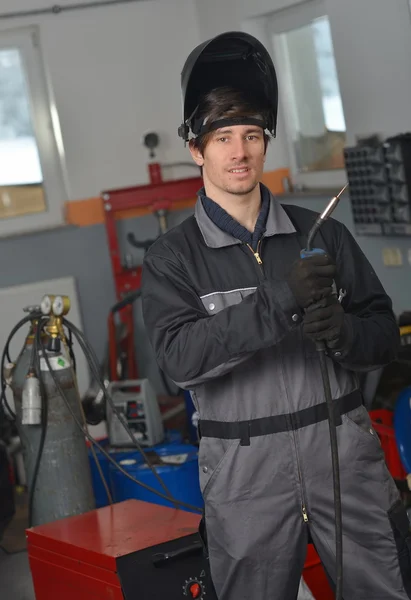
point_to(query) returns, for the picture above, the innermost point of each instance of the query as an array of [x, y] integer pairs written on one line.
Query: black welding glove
[[324, 321], [311, 279]]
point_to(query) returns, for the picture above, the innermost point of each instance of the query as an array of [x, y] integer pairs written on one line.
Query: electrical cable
[[92, 359], [106, 454]]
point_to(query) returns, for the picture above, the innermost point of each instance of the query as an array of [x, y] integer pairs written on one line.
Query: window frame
[[47, 133], [277, 24]]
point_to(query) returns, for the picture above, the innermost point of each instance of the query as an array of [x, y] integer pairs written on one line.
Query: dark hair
[[225, 102]]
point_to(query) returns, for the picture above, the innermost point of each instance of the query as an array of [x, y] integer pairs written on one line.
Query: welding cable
[[83, 416], [106, 454], [335, 469], [332, 424], [93, 363], [92, 449]]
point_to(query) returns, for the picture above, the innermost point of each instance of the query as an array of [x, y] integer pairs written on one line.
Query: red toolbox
[[115, 553], [132, 550]]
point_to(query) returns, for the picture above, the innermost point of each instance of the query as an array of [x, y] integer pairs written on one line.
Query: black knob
[[54, 344]]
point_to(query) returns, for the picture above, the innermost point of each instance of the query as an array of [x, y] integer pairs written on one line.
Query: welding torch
[[321, 348]]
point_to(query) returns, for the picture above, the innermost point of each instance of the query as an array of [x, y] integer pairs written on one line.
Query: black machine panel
[[379, 175], [176, 570]]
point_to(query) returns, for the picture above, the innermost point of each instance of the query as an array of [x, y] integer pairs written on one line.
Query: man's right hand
[[311, 279]]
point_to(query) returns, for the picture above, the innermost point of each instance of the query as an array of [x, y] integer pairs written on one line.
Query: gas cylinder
[[63, 485]]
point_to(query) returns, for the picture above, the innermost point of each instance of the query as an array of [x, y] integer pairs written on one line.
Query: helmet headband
[[201, 126]]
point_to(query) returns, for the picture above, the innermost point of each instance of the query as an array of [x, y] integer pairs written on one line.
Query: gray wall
[[83, 253]]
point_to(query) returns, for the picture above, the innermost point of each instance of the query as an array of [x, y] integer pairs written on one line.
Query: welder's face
[[233, 160]]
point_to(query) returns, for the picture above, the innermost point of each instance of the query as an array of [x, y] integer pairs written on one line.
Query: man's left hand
[[324, 320]]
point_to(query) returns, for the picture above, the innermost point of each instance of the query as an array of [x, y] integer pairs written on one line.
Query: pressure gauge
[[61, 305], [45, 305]]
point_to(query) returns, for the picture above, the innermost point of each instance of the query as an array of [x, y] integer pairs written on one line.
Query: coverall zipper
[[257, 256], [300, 477]]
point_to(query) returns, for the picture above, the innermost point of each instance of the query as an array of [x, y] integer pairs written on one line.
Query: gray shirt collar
[[278, 222]]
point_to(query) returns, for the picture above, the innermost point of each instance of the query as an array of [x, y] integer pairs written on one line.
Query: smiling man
[[232, 313]]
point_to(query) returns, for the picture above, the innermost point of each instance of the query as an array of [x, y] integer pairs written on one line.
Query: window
[[31, 181], [309, 92]]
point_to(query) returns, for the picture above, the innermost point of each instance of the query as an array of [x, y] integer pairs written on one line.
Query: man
[[233, 313]]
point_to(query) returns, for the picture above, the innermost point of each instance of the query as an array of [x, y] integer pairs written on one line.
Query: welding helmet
[[236, 60]]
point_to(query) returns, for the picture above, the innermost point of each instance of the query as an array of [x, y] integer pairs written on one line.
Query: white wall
[[115, 75], [216, 16], [372, 43]]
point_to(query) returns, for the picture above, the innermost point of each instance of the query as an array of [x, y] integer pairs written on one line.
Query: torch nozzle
[[332, 205]]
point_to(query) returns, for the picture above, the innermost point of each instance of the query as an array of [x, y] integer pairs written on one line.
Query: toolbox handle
[[161, 558]]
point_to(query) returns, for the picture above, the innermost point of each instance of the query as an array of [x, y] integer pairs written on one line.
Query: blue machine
[[402, 427], [179, 473], [172, 437]]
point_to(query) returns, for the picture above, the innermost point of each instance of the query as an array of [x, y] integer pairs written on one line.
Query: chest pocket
[[216, 301]]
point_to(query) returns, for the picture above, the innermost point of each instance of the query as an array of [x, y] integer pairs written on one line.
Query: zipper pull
[[305, 516], [256, 254], [258, 258]]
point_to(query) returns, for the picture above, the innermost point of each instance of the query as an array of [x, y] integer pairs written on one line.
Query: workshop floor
[[15, 576]]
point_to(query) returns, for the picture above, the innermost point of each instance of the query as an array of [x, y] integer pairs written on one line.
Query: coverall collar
[[278, 222]]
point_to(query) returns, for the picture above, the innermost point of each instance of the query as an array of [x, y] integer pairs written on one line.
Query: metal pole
[[57, 9]]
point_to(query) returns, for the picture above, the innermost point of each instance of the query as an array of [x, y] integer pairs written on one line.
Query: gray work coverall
[[229, 330]]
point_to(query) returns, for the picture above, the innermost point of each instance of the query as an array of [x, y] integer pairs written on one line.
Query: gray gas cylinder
[[63, 486]]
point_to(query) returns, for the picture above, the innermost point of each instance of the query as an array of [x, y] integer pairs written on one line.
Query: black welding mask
[[236, 60]]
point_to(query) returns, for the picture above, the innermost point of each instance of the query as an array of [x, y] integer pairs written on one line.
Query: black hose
[[6, 354], [93, 362], [33, 359], [335, 468], [131, 238], [70, 347], [37, 344], [129, 299], [321, 348], [313, 232], [106, 454]]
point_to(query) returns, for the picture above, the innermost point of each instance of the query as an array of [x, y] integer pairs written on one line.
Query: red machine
[[131, 551], [128, 551], [160, 197], [383, 423]]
